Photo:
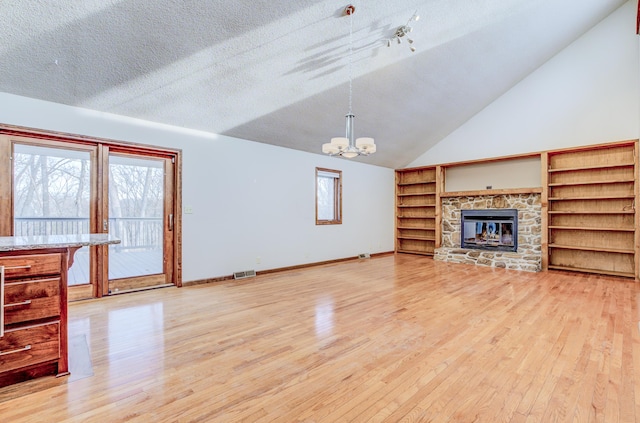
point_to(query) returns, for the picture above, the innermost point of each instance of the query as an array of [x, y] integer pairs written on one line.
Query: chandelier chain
[[350, 61]]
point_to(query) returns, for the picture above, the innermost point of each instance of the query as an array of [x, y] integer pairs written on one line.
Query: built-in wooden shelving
[[588, 198], [591, 209], [416, 210]]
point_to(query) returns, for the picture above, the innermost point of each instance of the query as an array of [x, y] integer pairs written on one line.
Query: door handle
[[105, 225], [171, 221]]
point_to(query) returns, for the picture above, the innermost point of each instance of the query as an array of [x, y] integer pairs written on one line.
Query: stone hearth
[[529, 254]]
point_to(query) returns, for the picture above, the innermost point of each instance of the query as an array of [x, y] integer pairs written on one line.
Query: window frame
[[337, 197]]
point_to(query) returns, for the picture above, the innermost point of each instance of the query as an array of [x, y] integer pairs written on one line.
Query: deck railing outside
[[135, 233]]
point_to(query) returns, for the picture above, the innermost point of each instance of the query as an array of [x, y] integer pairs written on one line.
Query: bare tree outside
[[51, 197], [135, 191], [136, 210], [50, 183]]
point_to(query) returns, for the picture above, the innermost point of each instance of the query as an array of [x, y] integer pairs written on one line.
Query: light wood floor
[[396, 338]]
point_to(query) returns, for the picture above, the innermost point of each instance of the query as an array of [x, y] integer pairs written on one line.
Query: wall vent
[[244, 274], [364, 256]]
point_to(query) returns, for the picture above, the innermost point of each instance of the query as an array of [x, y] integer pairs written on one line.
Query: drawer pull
[[18, 304], [27, 348], [26, 267]]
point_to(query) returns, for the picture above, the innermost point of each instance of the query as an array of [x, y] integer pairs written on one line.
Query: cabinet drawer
[[31, 300], [30, 345], [31, 265]]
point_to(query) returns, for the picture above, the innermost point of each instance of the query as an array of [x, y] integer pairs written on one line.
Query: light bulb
[[329, 148], [365, 143], [340, 142]]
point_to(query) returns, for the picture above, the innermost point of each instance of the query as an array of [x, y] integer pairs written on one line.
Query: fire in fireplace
[[489, 229]]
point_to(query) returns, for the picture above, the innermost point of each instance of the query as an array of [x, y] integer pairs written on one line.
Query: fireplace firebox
[[489, 229]]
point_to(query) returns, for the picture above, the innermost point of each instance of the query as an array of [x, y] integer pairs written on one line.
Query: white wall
[[249, 199], [586, 94]]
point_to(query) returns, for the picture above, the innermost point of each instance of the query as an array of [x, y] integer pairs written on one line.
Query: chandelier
[[347, 146]]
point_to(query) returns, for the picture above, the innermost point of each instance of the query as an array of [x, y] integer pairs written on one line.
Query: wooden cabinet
[[34, 339], [416, 210], [591, 209]]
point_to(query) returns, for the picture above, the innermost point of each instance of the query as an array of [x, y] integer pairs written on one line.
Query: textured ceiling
[[277, 72]]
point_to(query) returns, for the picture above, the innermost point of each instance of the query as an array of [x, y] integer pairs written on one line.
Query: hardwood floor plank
[[394, 338], [627, 395]]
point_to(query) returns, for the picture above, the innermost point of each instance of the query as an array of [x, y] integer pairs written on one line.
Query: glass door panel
[[52, 196], [136, 217]]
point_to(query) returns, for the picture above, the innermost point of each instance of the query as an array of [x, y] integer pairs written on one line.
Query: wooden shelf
[[417, 229], [416, 194], [568, 184], [606, 166], [424, 253], [415, 217], [419, 205], [592, 197], [588, 228], [592, 212], [491, 192], [417, 238], [404, 184], [601, 249], [597, 271]]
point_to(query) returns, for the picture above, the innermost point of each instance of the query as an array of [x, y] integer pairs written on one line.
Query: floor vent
[[364, 256], [244, 274]]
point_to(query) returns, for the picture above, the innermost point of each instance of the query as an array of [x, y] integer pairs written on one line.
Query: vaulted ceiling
[[277, 71]]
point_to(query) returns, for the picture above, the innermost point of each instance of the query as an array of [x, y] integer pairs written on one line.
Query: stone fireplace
[[489, 213]]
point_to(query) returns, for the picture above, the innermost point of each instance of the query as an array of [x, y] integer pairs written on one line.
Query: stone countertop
[[17, 243]]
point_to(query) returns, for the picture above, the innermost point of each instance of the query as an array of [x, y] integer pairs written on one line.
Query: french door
[[53, 186], [63, 187], [140, 214]]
